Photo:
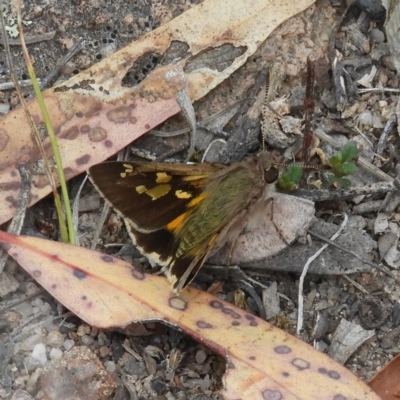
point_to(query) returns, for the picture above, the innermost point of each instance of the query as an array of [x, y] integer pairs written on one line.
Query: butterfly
[[178, 215]]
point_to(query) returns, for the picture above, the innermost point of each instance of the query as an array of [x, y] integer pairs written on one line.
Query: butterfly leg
[[278, 230]]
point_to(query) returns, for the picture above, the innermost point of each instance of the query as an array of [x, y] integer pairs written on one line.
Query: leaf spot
[[251, 319], [97, 134], [235, 323], [79, 274], [85, 128], [108, 143], [229, 311], [271, 395], [84, 298], [339, 397], [216, 304], [301, 364], [82, 160], [37, 273], [203, 325], [285, 374], [282, 350], [334, 375], [137, 274], [54, 286], [177, 303], [119, 114], [252, 358], [107, 259]]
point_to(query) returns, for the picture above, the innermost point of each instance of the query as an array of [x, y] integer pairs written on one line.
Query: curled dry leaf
[[271, 229], [263, 362], [95, 115]]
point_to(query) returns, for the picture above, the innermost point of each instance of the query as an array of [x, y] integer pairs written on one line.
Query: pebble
[[68, 344], [366, 118], [104, 351], [83, 330], [30, 363], [55, 353], [110, 366], [30, 342], [55, 339], [87, 340], [377, 35], [39, 353], [79, 374]]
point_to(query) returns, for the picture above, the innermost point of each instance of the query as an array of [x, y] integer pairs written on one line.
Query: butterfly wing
[[153, 200]]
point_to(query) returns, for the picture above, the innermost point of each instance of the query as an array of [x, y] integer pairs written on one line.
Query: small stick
[[304, 273], [385, 134], [15, 226], [344, 193], [52, 76], [354, 254], [29, 39]]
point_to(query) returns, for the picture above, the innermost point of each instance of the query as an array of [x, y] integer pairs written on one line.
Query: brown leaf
[[95, 116], [263, 362]]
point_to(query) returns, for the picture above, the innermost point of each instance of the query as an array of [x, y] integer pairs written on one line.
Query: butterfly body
[[180, 214]]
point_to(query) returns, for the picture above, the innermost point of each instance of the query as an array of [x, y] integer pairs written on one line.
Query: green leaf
[[349, 152], [347, 168], [290, 179]]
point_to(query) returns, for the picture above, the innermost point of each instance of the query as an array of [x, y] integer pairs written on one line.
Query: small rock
[[79, 374], [68, 344], [83, 330], [110, 366], [104, 351], [133, 367], [55, 354], [30, 342], [30, 363], [87, 340], [20, 394], [39, 353], [377, 35], [200, 356], [55, 339]]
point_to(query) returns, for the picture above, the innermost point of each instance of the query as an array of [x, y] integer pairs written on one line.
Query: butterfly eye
[[271, 175]]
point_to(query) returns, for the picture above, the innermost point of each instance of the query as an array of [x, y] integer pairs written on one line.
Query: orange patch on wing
[[197, 200], [177, 222]]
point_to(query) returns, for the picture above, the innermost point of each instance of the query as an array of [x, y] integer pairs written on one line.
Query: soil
[[41, 342]]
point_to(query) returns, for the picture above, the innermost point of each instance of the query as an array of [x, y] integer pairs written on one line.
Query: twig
[[18, 302], [75, 209], [354, 254], [385, 134], [183, 99], [29, 39], [11, 85], [23, 202], [355, 284], [246, 287], [339, 194], [52, 76], [304, 273]]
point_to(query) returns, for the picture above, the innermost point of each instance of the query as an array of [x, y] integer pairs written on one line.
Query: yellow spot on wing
[[190, 178], [128, 170], [177, 222], [197, 200], [158, 191], [141, 189], [163, 177], [180, 194]]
